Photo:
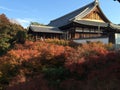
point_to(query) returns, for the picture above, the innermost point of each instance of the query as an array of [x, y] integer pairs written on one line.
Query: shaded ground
[[39, 83]]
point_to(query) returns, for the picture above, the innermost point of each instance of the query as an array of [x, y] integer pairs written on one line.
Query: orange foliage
[[88, 60], [91, 60], [31, 50]]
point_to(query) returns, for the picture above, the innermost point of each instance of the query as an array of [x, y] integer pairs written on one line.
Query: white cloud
[[24, 21], [5, 8]]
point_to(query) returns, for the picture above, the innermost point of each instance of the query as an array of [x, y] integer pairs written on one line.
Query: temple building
[[85, 23]]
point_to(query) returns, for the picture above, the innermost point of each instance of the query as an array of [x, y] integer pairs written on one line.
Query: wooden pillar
[[35, 36]]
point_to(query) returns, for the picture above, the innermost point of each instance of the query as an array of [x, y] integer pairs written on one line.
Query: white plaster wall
[[104, 40]]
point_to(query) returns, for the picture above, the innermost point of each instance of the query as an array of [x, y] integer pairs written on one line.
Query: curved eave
[[66, 19], [85, 13], [91, 23], [108, 21]]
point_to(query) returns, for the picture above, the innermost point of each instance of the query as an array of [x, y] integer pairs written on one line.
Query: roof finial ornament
[[96, 1]]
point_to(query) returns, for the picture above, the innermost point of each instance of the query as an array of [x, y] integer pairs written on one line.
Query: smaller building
[[42, 31]]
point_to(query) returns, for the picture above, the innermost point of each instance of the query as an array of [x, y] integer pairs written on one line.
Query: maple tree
[[57, 62]]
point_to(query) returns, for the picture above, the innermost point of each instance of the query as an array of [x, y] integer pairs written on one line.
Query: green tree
[[36, 23], [21, 37], [4, 45], [8, 33]]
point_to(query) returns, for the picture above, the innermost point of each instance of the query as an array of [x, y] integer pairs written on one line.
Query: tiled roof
[[71, 16], [79, 13], [45, 29], [115, 26]]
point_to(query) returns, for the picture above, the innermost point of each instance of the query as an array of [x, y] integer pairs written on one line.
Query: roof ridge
[[87, 9], [77, 14], [43, 26], [103, 13], [73, 11], [81, 13], [97, 1]]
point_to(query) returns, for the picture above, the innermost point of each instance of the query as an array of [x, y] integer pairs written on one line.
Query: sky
[[43, 11]]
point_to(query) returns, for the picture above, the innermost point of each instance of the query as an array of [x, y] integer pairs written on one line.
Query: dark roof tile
[[115, 26], [71, 16], [77, 14], [45, 29]]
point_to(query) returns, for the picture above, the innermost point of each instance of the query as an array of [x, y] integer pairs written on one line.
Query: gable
[[68, 18], [95, 15], [90, 12]]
